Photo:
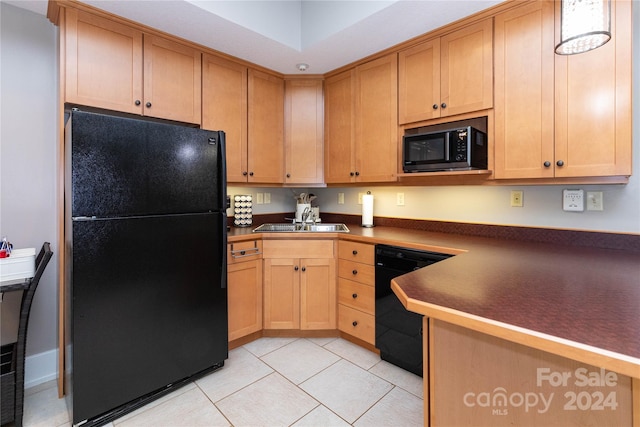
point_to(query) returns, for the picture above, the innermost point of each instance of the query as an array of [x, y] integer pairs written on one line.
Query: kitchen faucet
[[305, 214]]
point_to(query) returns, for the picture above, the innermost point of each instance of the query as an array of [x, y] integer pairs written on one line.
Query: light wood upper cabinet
[[419, 82], [561, 116], [104, 68], [376, 120], [265, 128], [339, 128], [224, 107], [361, 131], [446, 76], [303, 148], [524, 91], [172, 80], [102, 63], [593, 104]]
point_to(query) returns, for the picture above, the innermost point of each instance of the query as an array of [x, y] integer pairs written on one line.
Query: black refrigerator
[[146, 232]]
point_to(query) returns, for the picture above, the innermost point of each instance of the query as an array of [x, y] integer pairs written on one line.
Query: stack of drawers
[[356, 290]]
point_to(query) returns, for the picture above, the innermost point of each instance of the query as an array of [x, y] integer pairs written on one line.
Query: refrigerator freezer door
[[148, 306], [128, 167]]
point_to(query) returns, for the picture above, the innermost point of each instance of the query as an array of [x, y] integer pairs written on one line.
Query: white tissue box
[[20, 265]]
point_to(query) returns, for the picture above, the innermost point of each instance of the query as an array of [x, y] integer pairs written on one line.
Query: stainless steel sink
[[294, 228]]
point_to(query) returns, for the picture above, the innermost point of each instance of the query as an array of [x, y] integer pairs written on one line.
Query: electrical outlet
[[360, 198], [517, 198], [259, 198], [573, 200], [400, 199], [595, 201], [267, 198], [341, 198]]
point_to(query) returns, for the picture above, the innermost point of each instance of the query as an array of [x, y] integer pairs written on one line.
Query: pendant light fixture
[[584, 25]]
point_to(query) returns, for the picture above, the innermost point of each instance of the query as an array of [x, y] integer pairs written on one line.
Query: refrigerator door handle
[[223, 266]]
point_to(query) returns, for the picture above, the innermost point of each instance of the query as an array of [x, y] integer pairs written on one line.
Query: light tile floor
[[273, 382]]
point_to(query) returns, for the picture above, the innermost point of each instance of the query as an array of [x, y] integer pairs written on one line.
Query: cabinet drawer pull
[[295, 268], [354, 296], [355, 252], [443, 105], [148, 104], [547, 164], [241, 253], [560, 163], [354, 272], [435, 106], [355, 323], [138, 102], [304, 268]]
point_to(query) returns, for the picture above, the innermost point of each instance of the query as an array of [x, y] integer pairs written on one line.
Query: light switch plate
[[573, 200]]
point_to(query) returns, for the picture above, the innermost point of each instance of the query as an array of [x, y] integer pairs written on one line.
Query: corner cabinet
[[446, 76], [299, 292], [113, 66], [244, 288], [361, 130], [303, 119], [224, 91], [265, 149], [561, 116]]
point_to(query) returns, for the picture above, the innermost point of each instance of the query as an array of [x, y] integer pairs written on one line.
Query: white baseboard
[[40, 368]]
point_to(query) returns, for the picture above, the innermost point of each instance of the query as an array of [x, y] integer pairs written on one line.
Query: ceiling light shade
[[302, 67], [584, 25]]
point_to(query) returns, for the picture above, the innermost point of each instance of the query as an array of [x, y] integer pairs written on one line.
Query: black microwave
[[454, 149]]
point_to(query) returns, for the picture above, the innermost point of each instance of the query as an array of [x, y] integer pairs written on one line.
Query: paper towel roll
[[367, 210]]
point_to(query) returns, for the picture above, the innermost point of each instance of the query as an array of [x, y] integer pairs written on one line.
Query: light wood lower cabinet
[[493, 382], [244, 288], [299, 293], [356, 290]]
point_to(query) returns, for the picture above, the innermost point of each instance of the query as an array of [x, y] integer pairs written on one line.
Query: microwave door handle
[[447, 146]]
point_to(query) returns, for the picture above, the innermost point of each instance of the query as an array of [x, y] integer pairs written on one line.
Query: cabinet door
[[467, 69], [244, 295], [281, 293], [339, 128], [318, 294], [103, 63], [419, 82], [266, 128], [376, 150], [593, 104], [524, 55], [172, 80], [303, 154], [224, 107]]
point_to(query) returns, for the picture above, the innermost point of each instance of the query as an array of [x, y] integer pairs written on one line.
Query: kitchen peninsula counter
[[577, 302]]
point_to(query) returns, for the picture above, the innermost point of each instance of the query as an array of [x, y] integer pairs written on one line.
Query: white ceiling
[[275, 34]]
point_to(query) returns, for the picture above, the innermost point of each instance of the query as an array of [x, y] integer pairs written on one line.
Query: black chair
[[29, 288]]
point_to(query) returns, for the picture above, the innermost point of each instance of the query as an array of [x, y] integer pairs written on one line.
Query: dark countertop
[[578, 302]]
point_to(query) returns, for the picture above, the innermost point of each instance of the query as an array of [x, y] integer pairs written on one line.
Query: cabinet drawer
[[303, 248], [356, 271], [354, 251], [357, 323], [356, 295], [244, 251]]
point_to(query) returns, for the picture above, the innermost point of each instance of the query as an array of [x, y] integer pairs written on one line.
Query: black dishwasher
[[398, 331]]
